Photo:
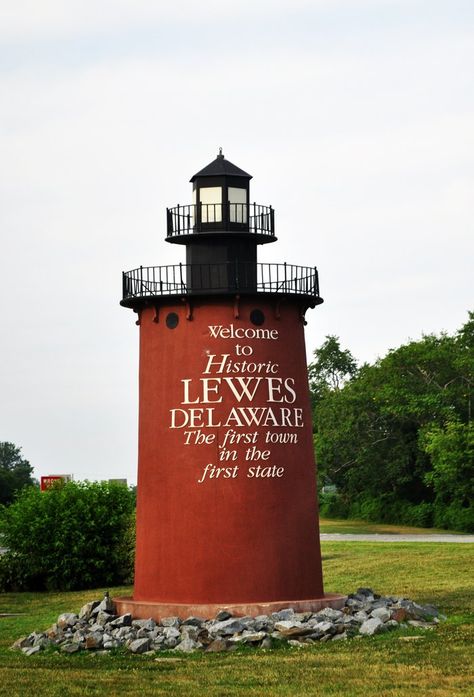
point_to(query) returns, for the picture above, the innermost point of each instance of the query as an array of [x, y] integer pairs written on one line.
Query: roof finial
[[220, 153]]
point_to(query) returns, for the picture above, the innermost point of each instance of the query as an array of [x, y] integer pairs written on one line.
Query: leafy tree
[[395, 437], [451, 449], [15, 472], [331, 368]]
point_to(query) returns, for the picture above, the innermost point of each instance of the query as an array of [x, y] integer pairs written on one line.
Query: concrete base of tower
[[142, 609]]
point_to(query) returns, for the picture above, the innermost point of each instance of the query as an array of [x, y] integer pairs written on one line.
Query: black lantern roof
[[221, 167]]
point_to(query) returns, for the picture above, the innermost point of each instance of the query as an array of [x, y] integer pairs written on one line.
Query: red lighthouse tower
[[227, 507]]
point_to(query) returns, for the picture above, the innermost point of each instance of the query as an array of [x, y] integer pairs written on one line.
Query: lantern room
[[221, 195]]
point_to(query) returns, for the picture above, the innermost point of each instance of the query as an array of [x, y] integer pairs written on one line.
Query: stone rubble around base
[[97, 627]]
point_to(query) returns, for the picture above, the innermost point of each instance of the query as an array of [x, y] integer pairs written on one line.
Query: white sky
[[355, 118]]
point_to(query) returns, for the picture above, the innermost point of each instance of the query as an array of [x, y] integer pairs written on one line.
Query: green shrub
[[332, 506], [72, 536], [454, 517]]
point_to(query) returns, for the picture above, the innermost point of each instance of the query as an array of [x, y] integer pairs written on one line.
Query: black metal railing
[[229, 277], [218, 217]]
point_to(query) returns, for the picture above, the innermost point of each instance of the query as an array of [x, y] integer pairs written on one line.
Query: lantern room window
[[211, 199], [237, 204]]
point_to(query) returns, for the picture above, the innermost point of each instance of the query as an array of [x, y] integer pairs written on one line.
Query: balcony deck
[[249, 220], [148, 283]]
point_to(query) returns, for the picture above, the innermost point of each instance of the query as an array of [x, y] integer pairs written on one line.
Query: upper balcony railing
[[221, 217], [148, 282]]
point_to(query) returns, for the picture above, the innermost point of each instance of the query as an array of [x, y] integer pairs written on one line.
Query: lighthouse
[[226, 496]]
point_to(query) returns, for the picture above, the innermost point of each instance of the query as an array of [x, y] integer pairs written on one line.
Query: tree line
[[395, 439]]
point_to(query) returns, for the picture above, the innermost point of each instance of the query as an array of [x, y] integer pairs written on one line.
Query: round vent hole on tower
[[172, 320], [257, 317]]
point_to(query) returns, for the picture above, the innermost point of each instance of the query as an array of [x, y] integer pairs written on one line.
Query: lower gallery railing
[[229, 277]]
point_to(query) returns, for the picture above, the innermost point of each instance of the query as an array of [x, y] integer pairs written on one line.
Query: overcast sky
[[355, 118]]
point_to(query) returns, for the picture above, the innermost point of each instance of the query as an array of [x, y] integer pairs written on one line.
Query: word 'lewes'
[[208, 390]]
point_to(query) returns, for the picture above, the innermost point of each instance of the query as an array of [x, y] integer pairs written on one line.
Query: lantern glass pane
[[237, 205], [211, 200]]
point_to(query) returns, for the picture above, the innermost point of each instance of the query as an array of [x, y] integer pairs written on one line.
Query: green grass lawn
[[364, 528], [437, 665]]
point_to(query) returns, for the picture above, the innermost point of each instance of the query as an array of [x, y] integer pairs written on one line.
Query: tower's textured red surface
[[225, 539]]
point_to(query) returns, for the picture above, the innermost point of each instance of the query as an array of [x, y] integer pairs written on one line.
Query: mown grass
[[362, 527], [438, 665]]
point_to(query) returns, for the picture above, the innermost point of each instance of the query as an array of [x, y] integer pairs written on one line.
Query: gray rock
[[106, 605], [189, 631], [248, 622], [86, 610], [123, 633], [428, 611], [54, 632], [31, 650], [371, 626], [266, 643], [382, 602], [282, 615], [354, 604], [324, 628], [139, 645], [290, 628], [122, 621], [187, 645], [223, 615], [248, 637], [171, 633], [67, 619], [195, 621], [382, 613], [149, 624], [70, 648], [350, 622], [143, 634], [360, 616], [79, 636], [94, 640], [112, 644], [170, 622], [328, 614], [263, 625], [104, 618], [338, 637], [227, 627], [366, 591]]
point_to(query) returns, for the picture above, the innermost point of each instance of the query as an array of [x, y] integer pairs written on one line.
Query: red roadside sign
[[47, 482]]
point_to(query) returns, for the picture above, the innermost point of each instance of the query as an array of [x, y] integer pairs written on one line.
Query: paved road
[[349, 537]]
